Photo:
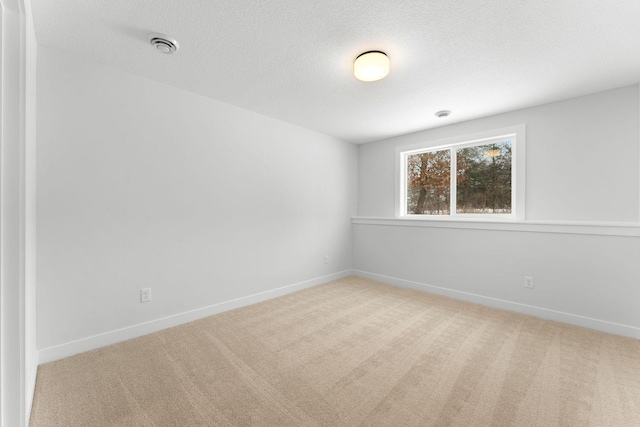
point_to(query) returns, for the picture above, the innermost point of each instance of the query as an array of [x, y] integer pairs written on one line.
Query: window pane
[[429, 183], [484, 179]]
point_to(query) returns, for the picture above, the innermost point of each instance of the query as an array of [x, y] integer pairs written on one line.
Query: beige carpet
[[351, 353]]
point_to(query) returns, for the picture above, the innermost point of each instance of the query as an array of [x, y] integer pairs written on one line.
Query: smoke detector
[[442, 114], [163, 43]]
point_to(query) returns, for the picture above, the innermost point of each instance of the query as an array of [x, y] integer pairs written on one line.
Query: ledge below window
[[626, 229]]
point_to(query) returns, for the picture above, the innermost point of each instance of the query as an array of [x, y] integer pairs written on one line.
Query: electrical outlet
[[145, 295], [326, 259], [528, 282]]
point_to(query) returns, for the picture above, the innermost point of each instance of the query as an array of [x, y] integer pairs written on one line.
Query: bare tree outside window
[[429, 183]]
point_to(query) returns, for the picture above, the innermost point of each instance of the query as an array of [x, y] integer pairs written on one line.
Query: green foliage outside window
[[484, 179]]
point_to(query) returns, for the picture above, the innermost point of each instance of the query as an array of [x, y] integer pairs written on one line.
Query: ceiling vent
[[163, 43]]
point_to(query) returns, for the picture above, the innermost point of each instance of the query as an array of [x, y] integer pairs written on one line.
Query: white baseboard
[[61, 351], [572, 319]]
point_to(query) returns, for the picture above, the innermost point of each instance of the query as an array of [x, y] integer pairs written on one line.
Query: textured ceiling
[[292, 59]]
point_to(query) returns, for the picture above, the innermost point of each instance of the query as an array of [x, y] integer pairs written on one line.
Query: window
[[477, 176]]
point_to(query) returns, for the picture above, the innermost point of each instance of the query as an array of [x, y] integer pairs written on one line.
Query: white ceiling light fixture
[[371, 66], [163, 43]]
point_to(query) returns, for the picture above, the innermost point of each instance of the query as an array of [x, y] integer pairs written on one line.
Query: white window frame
[[517, 135]]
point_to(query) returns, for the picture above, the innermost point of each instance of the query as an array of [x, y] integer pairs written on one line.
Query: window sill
[[628, 229]]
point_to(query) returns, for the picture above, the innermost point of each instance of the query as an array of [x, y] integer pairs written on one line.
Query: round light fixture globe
[[371, 66]]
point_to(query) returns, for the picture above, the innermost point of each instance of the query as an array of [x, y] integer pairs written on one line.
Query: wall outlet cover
[[528, 282]]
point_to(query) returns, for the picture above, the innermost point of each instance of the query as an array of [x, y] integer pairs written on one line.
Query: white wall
[[17, 214], [587, 280], [582, 159], [582, 165], [144, 185], [30, 181], [11, 196]]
